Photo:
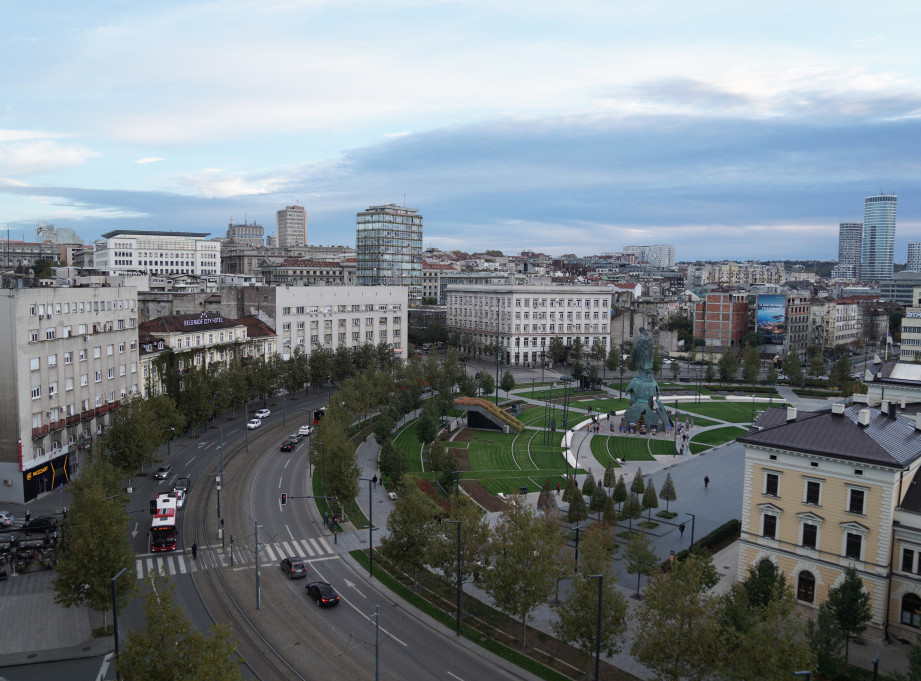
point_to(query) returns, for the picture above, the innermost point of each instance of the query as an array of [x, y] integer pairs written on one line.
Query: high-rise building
[[251, 234], [914, 257], [291, 226], [389, 248], [657, 255], [878, 237], [850, 242], [150, 252]]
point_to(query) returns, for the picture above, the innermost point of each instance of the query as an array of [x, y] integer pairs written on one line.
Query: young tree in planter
[[475, 534], [570, 490], [710, 373], [649, 499], [639, 557], [676, 370], [638, 486], [545, 500], [578, 615], [508, 382], [609, 513], [598, 499], [487, 383], [610, 476], [588, 486], [620, 491], [850, 604], [668, 493], [578, 511], [591, 376], [524, 561], [729, 366], [632, 509], [751, 364]]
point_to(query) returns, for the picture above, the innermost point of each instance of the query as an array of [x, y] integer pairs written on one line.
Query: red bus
[[163, 532], [318, 415]]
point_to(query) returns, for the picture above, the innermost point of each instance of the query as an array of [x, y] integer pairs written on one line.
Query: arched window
[[911, 610], [805, 587]]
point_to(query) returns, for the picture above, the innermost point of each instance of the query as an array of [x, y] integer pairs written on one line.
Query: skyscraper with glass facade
[[388, 243], [878, 237], [850, 243]]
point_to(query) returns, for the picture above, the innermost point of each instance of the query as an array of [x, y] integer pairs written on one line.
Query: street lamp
[[693, 522], [600, 579], [458, 523], [370, 528], [115, 613]]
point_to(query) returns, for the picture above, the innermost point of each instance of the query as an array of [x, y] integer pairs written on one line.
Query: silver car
[[6, 518]]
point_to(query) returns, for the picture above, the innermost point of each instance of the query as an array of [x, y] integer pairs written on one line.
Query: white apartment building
[[657, 255], [151, 252], [72, 356], [835, 323], [525, 318], [340, 316], [291, 227]]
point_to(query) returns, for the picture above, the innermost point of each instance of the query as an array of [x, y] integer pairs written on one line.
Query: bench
[[392, 495]]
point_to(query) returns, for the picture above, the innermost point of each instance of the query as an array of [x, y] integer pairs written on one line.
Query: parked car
[[163, 472], [41, 524], [322, 593], [305, 430], [183, 483], [288, 446], [262, 414], [294, 567], [252, 424], [6, 518]]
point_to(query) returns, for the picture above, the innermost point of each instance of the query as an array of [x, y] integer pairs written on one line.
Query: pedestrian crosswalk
[[238, 555]]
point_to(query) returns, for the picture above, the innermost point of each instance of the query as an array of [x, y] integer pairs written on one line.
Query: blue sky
[[730, 131]]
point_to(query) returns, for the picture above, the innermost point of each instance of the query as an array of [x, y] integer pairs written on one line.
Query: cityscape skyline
[[728, 132]]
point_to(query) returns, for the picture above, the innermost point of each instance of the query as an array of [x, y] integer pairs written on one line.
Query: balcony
[[74, 418], [87, 415], [102, 409], [40, 431], [57, 425]]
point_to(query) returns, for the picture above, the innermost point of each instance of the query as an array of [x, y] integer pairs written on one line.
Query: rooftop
[[151, 232]]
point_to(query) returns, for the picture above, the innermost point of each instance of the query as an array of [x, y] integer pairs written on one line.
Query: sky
[[730, 130]]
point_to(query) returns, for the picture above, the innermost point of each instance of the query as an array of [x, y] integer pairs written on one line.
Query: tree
[[649, 498], [578, 511], [487, 383], [620, 490], [95, 542], [764, 584], [612, 362], [591, 376], [825, 639], [728, 366], [772, 376], [133, 434], [751, 364], [578, 615], [570, 490], [638, 486], [609, 512], [850, 605], [578, 371], [793, 369], [816, 363], [392, 462], [576, 351], [508, 382], [598, 499], [588, 486], [411, 529], [677, 633], [610, 476], [668, 493], [442, 460], [426, 428], [524, 561], [556, 350], [676, 370], [840, 373], [639, 557], [709, 374], [475, 534], [632, 509], [169, 648], [683, 325], [656, 360], [546, 500]]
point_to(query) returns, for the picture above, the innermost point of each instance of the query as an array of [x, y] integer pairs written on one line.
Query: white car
[[305, 430], [262, 414], [252, 424], [180, 497]]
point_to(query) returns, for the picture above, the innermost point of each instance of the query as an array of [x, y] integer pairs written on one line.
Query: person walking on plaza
[[706, 481], [681, 529], [194, 550]]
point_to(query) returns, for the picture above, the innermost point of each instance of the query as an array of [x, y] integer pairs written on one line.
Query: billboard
[[772, 318]]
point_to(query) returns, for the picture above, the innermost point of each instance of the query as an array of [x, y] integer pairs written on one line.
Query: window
[[36, 392], [810, 535], [68, 358], [50, 334], [772, 484], [805, 587], [813, 492], [97, 352], [33, 335], [911, 610], [84, 379], [853, 543], [98, 376], [34, 364], [52, 389], [83, 355], [769, 526], [908, 560], [68, 384], [52, 360], [855, 501]]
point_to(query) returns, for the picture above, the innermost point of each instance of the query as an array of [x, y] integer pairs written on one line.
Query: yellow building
[[831, 489]]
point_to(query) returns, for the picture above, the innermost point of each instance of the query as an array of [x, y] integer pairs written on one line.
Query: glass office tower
[[878, 237], [389, 248]]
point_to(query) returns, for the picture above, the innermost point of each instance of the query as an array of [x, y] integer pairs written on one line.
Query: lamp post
[[543, 363], [329, 387], [115, 613], [322, 447], [693, 523], [600, 579], [370, 529], [498, 348], [458, 523]]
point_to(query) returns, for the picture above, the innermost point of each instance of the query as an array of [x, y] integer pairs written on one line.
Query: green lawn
[[733, 412], [630, 448], [603, 406], [513, 484], [601, 452], [491, 451], [530, 452], [717, 436], [536, 415], [407, 442]]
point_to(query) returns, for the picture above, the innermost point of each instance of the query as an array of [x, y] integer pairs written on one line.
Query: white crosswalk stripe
[[307, 547], [270, 553]]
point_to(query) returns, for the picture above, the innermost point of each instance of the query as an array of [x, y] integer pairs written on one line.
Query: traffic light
[[284, 498]]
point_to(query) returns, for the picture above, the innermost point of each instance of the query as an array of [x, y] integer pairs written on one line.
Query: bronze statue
[[643, 390]]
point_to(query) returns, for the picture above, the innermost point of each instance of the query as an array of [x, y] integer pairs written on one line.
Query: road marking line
[[171, 566], [351, 605], [269, 552], [181, 561], [454, 675], [139, 565], [324, 544], [160, 569], [150, 565], [310, 551], [287, 549]]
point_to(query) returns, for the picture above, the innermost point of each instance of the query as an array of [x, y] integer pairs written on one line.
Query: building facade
[[389, 248], [835, 489], [152, 252], [301, 272], [914, 257], [250, 234], [722, 319], [72, 357], [523, 319], [850, 243], [658, 255], [878, 246], [291, 227]]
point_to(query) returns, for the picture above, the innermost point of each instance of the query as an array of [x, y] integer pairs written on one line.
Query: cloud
[[150, 159], [27, 152]]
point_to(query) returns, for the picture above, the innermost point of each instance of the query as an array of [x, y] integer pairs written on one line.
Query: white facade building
[[525, 318], [914, 257], [291, 226], [657, 255], [340, 316], [71, 357], [152, 252]]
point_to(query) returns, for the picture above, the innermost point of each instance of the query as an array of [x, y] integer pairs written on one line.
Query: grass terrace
[[733, 412], [712, 438]]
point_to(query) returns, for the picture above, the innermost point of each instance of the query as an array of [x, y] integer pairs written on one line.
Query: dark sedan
[[288, 446], [324, 594]]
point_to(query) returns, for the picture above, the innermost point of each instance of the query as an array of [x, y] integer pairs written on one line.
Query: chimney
[[791, 413], [863, 417], [884, 406], [893, 414], [918, 421], [837, 408]]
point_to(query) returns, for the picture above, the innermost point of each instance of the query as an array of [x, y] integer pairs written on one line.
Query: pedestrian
[[28, 515], [706, 481], [557, 488], [374, 481], [681, 529], [194, 550]]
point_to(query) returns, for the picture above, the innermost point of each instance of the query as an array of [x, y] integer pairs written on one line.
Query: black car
[[41, 524], [288, 446], [183, 483], [324, 594], [294, 567]]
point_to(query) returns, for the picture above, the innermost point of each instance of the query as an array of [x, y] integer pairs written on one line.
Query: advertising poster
[[772, 320]]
